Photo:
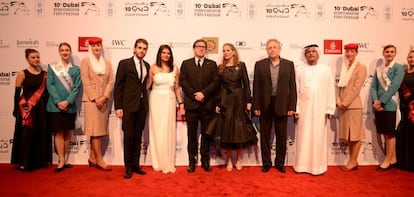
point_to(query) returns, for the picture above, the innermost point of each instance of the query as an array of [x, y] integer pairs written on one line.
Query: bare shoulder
[[176, 69], [20, 74], [19, 78], [154, 69]]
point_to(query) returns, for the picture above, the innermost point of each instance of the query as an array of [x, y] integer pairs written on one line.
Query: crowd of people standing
[[202, 91]]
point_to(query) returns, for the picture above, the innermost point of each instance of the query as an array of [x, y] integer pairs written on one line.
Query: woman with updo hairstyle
[[31, 142], [63, 84], [384, 96]]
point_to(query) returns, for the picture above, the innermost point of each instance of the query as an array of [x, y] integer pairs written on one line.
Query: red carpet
[[84, 181]]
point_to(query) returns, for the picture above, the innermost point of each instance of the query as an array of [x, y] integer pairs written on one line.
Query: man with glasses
[[199, 80], [274, 99]]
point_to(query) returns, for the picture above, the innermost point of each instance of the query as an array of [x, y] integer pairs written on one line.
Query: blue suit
[[58, 93]]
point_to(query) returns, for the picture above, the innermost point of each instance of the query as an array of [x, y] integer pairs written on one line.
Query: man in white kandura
[[315, 106]]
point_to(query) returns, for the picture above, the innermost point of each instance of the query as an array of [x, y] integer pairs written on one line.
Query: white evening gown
[[162, 122]]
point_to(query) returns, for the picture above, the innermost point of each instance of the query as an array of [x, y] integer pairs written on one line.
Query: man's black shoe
[[265, 168], [191, 168], [281, 169], [206, 168], [128, 173], [139, 171]]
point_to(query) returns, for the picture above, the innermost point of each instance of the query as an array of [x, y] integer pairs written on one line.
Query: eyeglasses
[[200, 46]]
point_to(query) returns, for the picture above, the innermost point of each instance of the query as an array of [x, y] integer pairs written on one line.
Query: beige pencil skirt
[[96, 120], [351, 125]]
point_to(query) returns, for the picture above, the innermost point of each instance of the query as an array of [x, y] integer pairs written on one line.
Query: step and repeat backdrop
[[43, 24]]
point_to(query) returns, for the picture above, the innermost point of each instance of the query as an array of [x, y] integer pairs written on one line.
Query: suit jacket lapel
[[195, 63], [133, 67], [281, 68], [146, 67], [267, 69], [194, 69]]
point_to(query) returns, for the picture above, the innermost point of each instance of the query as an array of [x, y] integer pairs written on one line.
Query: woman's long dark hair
[[170, 62]]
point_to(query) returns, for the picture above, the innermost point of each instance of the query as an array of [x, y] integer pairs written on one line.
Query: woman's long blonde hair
[[236, 59]]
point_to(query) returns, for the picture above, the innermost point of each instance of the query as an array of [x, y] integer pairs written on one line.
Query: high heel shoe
[[106, 168], [68, 165], [381, 169], [91, 163], [343, 168], [393, 165], [390, 165], [238, 165], [57, 170], [229, 166]]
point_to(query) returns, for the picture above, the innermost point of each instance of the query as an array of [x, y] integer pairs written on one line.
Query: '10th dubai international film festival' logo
[[87, 8], [6, 78], [156, 8], [355, 12], [13, 8], [296, 10], [79, 146], [207, 9], [227, 9]]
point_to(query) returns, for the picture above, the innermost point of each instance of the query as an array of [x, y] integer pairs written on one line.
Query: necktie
[[140, 71], [199, 63]]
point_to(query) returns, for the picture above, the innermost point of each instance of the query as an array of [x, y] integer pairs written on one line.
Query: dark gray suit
[[274, 107], [203, 79], [130, 95]]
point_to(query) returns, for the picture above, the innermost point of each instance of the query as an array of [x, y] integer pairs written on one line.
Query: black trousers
[[132, 124], [193, 117], [267, 118]]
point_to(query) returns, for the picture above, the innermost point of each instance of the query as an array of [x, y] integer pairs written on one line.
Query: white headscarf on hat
[[346, 72], [98, 65]]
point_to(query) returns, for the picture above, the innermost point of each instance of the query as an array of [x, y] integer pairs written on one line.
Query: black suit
[[203, 79], [274, 107], [130, 95]]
